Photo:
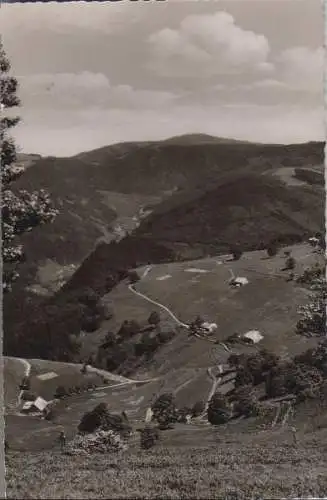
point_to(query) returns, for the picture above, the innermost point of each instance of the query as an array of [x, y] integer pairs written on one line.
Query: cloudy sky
[[95, 74]]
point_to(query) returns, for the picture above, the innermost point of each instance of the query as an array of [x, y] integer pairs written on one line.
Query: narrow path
[[171, 314], [215, 382], [180, 323], [27, 372]]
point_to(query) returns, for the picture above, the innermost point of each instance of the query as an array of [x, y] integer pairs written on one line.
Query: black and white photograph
[[163, 249]]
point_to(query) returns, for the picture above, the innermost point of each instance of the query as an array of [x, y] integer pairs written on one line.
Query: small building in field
[[148, 415], [209, 327], [39, 405], [253, 336]]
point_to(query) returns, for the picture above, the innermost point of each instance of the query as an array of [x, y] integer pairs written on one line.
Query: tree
[[133, 277], [149, 437], [219, 410], [128, 329], [164, 337], [21, 210], [198, 408], [165, 411], [243, 377], [237, 253], [293, 378], [245, 401], [272, 250], [25, 384], [304, 381], [28, 396], [269, 359], [154, 318], [313, 315], [61, 392], [236, 360], [109, 340], [89, 297]]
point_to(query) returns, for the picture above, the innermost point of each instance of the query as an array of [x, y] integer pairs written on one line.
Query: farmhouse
[[253, 336], [37, 406], [237, 281], [209, 327]]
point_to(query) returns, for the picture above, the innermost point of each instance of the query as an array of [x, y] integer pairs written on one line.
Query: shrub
[[149, 437], [219, 410]]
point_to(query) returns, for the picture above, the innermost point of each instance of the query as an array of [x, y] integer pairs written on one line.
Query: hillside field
[[268, 303], [245, 458]]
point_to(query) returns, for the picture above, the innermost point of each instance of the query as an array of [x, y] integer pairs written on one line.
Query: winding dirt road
[[180, 323], [215, 382], [171, 314], [27, 372]]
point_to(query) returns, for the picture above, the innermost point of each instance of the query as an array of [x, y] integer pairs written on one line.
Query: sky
[[92, 74]]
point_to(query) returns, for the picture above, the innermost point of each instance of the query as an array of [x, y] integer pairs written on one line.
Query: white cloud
[[84, 90], [206, 45], [64, 17], [302, 68]]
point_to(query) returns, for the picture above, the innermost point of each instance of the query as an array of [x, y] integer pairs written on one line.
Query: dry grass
[[224, 469]]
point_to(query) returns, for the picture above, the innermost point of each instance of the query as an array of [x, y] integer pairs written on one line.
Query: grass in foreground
[[225, 470]]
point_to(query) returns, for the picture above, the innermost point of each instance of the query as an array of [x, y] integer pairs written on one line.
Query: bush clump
[[61, 392], [149, 437], [101, 418], [99, 442], [165, 411]]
